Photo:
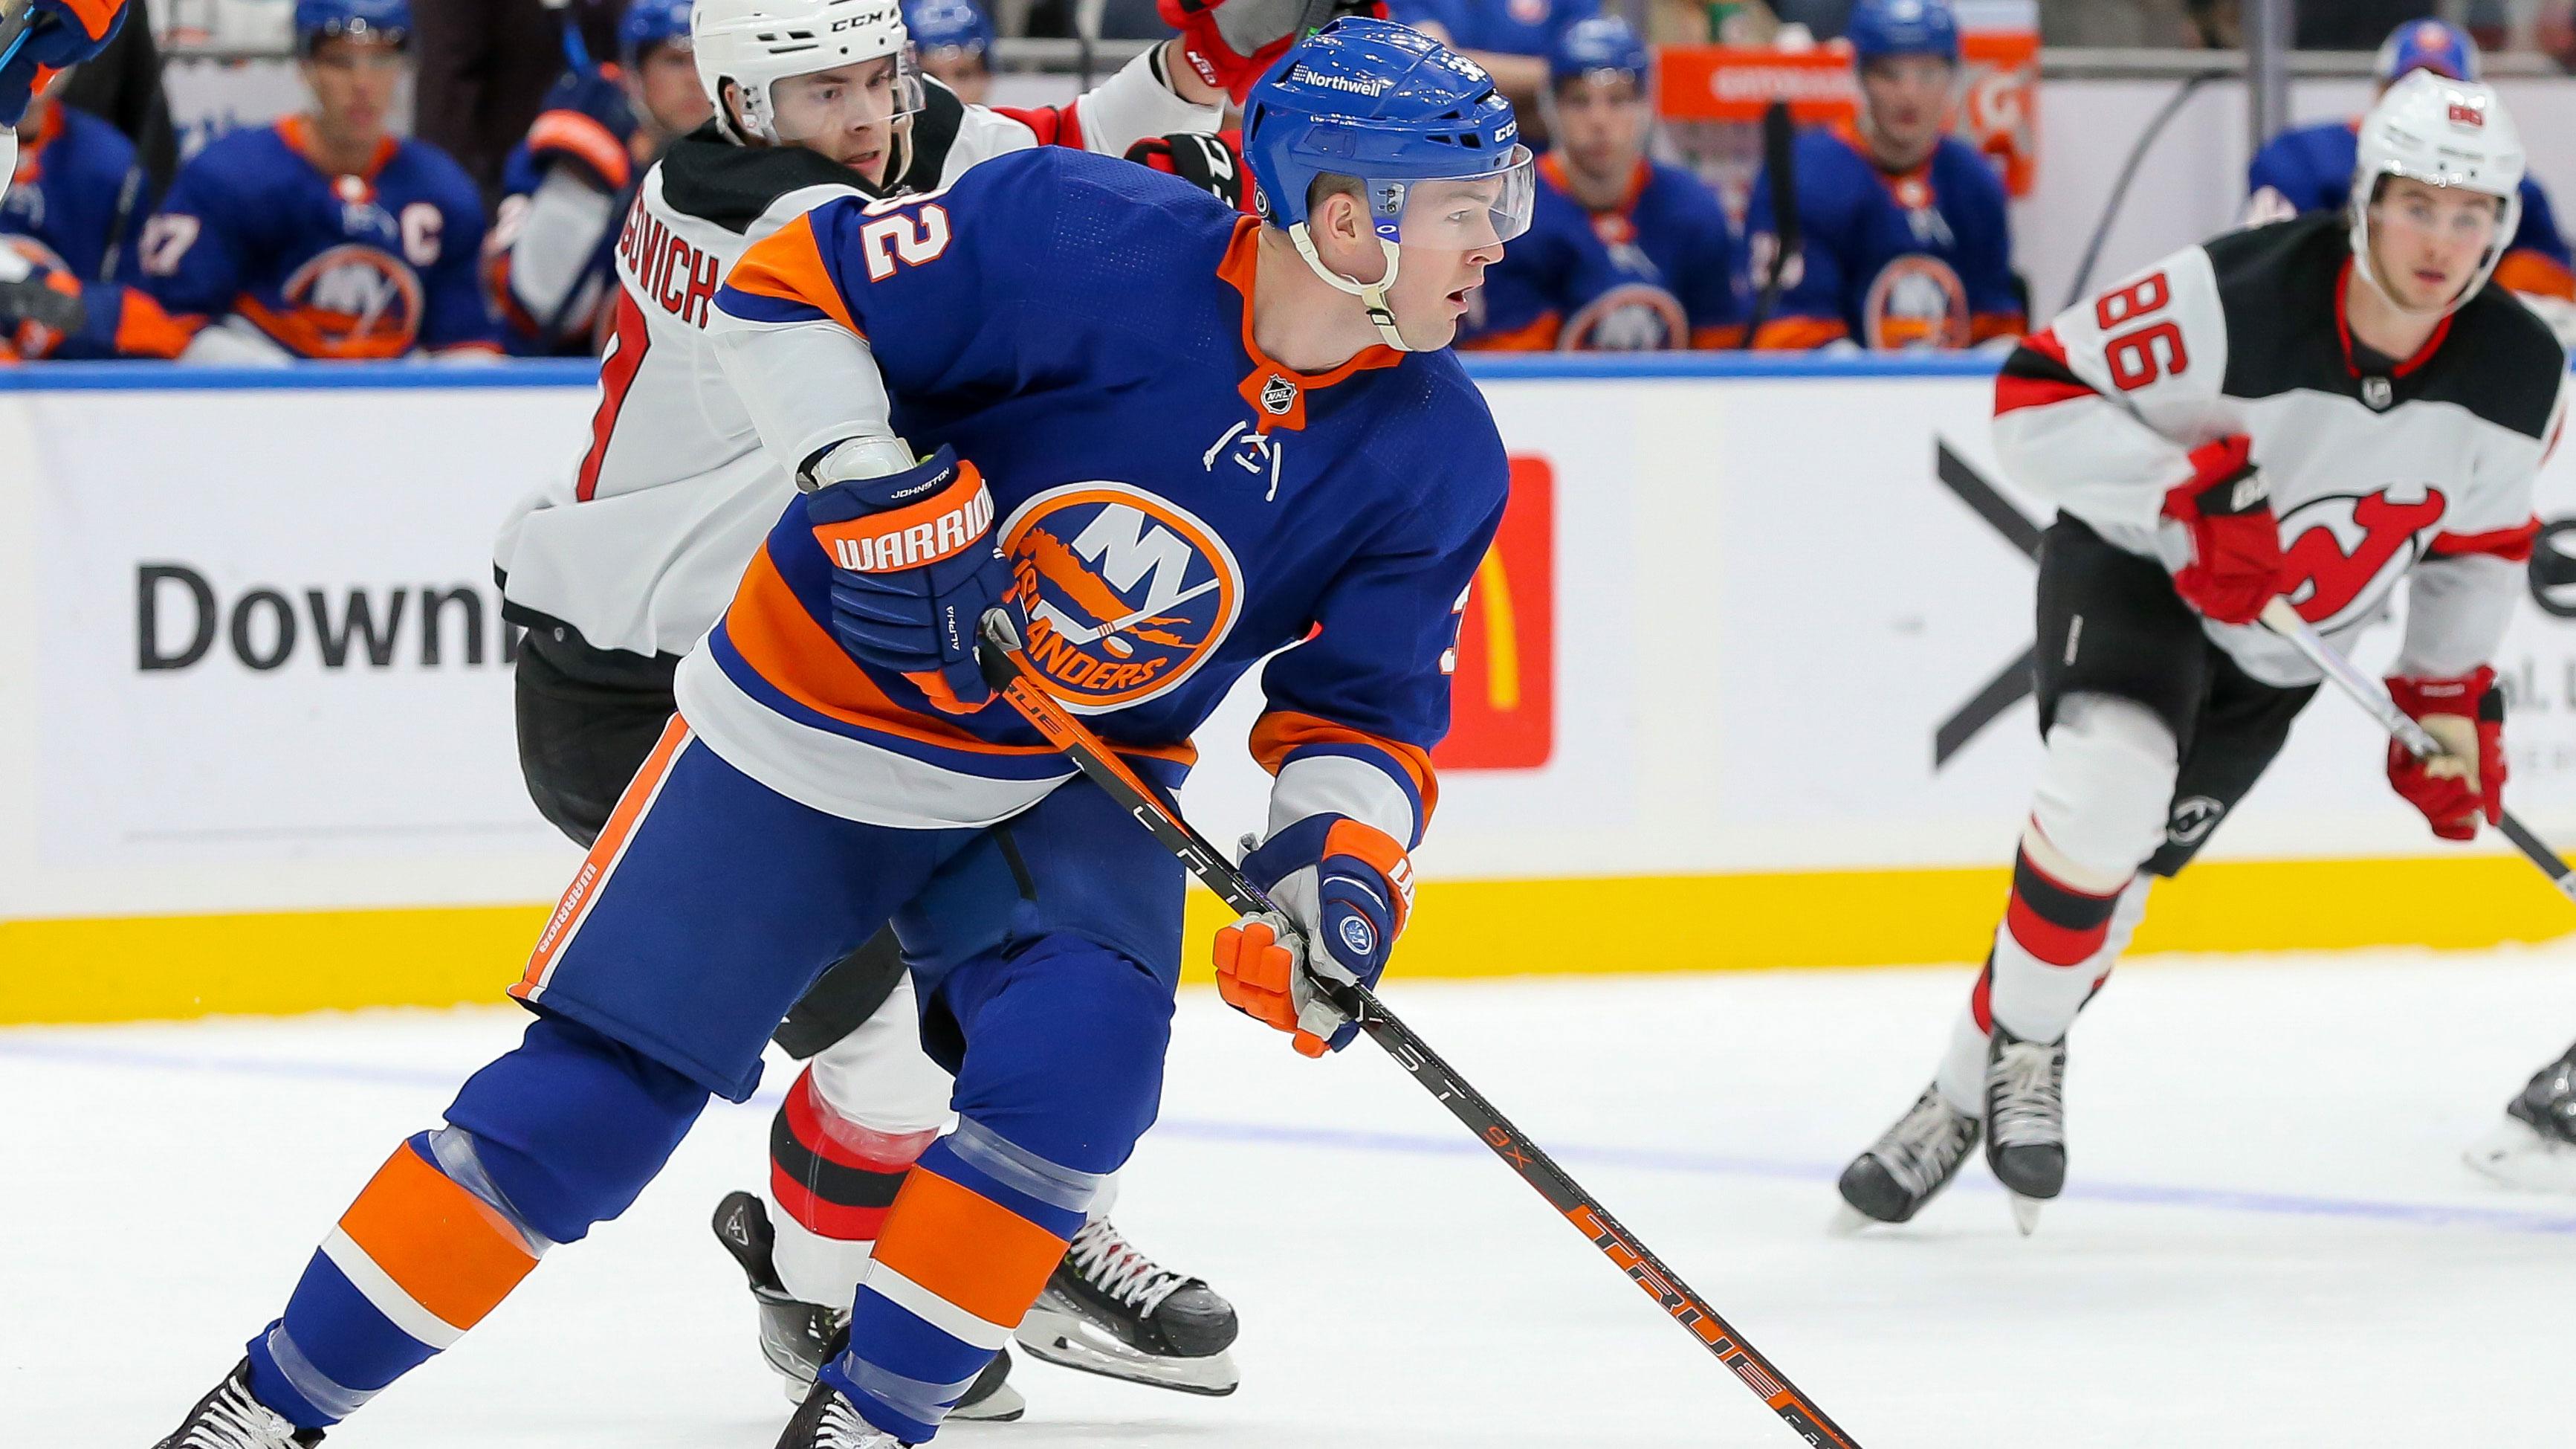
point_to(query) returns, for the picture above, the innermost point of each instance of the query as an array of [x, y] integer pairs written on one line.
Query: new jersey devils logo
[[1127, 594], [2347, 551]]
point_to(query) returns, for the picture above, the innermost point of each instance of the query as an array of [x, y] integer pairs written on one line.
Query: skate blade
[[1849, 1222], [2522, 1159], [998, 1407], [1069, 1342], [2026, 1213]]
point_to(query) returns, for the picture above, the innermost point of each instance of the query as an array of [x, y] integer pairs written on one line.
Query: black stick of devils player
[[1006, 670], [2282, 619], [1780, 170]]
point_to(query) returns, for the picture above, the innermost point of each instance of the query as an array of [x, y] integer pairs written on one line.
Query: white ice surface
[[2269, 1238]]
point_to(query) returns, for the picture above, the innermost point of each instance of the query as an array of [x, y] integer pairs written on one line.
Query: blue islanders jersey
[[587, 123], [2309, 168], [1917, 260], [1659, 271], [342, 267], [1176, 505], [1513, 27], [60, 212]]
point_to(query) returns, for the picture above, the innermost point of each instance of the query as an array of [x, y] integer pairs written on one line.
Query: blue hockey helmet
[[320, 20], [1389, 107], [1903, 27], [2445, 50], [648, 23], [1602, 45], [944, 25]]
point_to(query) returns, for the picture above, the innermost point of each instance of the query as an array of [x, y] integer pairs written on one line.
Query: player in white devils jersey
[[621, 566], [2317, 409]]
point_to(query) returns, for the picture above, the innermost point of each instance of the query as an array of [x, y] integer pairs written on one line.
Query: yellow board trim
[[159, 967]]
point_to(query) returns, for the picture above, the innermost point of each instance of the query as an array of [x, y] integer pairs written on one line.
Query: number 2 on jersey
[[2143, 354], [914, 239]]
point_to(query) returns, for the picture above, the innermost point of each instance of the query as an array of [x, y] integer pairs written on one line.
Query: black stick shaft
[[1005, 671]]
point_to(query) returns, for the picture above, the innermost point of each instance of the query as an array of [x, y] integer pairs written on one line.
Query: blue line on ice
[[2274, 1204]]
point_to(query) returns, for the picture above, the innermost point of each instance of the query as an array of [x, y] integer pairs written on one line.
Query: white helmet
[[2441, 132], [755, 43]]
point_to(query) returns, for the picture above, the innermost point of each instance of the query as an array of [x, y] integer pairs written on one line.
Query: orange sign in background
[[1998, 105], [1502, 699]]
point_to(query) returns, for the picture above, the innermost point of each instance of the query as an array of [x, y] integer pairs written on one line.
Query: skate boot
[[2534, 1148], [1111, 1310], [825, 1420], [2026, 1121], [798, 1337], [231, 1418], [1910, 1162]]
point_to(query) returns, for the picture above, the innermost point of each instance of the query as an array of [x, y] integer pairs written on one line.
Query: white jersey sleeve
[[2099, 411], [2462, 597], [1136, 104]]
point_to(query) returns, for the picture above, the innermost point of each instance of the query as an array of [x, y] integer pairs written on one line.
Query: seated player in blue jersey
[[550, 262], [1509, 38], [1168, 441], [68, 227], [955, 41], [1624, 253], [326, 236], [1904, 241], [58, 34], [2309, 168]]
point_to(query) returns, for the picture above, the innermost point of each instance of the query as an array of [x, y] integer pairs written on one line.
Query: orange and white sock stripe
[[960, 1262], [591, 881], [429, 1255]]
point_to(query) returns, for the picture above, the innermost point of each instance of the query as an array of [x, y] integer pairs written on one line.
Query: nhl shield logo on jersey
[[1127, 594], [2347, 551], [1278, 395]]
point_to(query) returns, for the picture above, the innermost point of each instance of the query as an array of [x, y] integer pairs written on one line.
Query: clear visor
[[1457, 214], [845, 99]]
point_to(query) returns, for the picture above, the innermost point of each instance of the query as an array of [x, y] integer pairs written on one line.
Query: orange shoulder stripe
[[788, 264], [1280, 731]]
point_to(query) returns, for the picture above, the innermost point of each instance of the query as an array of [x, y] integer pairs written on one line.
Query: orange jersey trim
[[592, 878], [1724, 337], [1281, 731], [301, 335], [788, 265], [1539, 336], [1798, 334], [2535, 273], [578, 136], [1238, 269], [143, 329], [1987, 326], [95, 16], [968, 1249], [800, 659], [447, 1248], [298, 134]]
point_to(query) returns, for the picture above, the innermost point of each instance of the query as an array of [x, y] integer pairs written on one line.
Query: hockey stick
[[2284, 620], [1780, 164], [14, 27], [1005, 668]]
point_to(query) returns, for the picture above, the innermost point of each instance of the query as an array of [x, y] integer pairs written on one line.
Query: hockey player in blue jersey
[[2309, 168], [58, 34], [1624, 253], [1170, 441], [326, 235], [550, 263], [955, 40], [1904, 239], [69, 221]]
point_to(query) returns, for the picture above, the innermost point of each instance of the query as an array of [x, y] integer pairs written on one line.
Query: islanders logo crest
[[352, 301], [1126, 594], [1916, 301]]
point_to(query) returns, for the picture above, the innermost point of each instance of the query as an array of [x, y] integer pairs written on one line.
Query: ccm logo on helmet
[[2464, 113]]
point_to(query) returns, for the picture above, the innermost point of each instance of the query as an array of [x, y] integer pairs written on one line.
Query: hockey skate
[[798, 1338], [1111, 1310], [2534, 1148], [2026, 1121], [1909, 1163], [825, 1420], [231, 1418]]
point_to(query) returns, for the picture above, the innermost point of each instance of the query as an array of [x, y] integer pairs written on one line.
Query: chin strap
[[1372, 295]]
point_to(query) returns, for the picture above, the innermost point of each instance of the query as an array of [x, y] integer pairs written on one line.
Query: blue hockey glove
[[63, 32], [914, 567], [1343, 890]]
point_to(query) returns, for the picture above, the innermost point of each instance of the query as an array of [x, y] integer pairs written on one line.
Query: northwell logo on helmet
[[1356, 85]]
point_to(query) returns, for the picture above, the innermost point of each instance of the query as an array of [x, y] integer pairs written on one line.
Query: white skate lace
[[232, 1419], [2028, 1108], [1108, 1263], [1921, 1147], [842, 1428]]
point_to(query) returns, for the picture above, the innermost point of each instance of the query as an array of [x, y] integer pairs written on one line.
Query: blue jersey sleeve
[[2289, 166], [455, 311], [1809, 312], [191, 250], [1983, 224], [1711, 285], [1370, 688]]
